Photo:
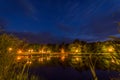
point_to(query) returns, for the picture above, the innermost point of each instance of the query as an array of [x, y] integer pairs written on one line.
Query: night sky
[[61, 20]]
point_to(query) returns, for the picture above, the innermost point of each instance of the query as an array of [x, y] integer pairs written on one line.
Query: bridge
[[32, 53], [57, 54], [75, 57]]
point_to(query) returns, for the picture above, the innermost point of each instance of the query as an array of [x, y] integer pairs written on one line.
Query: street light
[[19, 51], [30, 50], [9, 49], [76, 50], [29, 61], [110, 49]]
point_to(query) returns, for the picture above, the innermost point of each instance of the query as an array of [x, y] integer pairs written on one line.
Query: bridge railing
[[65, 54]]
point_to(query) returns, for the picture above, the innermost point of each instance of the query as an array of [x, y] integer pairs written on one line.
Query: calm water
[[68, 73], [60, 68]]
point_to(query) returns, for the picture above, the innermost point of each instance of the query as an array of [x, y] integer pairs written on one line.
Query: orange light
[[29, 62], [111, 49], [18, 58], [113, 61], [48, 58], [19, 51], [62, 50], [48, 51], [76, 50], [77, 59], [63, 58], [10, 49], [40, 59], [30, 50], [40, 51]]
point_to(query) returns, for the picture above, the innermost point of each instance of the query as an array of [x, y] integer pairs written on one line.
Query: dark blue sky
[[62, 20]]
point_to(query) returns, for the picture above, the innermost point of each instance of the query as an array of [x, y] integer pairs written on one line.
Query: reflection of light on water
[[48, 51], [19, 51], [48, 58], [113, 61], [29, 62], [62, 58], [40, 59], [77, 59], [30, 50], [26, 57], [18, 57]]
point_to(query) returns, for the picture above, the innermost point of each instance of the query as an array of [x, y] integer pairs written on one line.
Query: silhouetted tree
[[2, 26]]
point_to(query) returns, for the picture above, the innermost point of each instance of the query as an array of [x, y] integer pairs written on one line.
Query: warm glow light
[[76, 50], [62, 50], [113, 61], [63, 58], [10, 49], [48, 58], [40, 59], [19, 51], [77, 59], [43, 52], [29, 62], [110, 49], [18, 57], [40, 51], [48, 51], [30, 50]]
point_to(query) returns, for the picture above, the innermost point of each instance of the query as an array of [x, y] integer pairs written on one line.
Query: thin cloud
[[29, 8], [43, 37]]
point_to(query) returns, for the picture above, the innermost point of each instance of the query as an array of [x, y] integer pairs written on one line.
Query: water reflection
[[40, 59], [62, 58], [76, 60], [29, 62], [48, 58]]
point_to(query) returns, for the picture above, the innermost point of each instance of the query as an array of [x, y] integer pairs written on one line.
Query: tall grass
[[9, 68]]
